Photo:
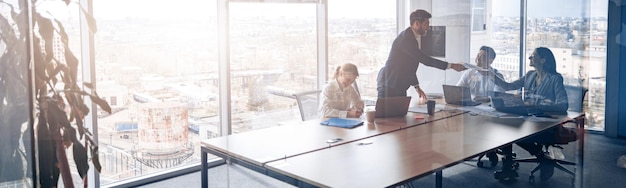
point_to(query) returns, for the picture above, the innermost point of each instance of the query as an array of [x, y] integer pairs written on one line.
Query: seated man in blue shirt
[[481, 86]]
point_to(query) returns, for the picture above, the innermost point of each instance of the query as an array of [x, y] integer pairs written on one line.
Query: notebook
[[458, 95], [392, 106], [342, 122]]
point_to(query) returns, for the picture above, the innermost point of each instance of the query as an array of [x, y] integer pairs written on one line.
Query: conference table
[[383, 153]]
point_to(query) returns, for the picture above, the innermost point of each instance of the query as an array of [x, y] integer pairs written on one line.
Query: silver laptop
[[392, 106], [458, 95]]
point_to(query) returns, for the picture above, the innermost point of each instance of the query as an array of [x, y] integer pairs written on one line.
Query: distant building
[[162, 126], [163, 134], [115, 94]]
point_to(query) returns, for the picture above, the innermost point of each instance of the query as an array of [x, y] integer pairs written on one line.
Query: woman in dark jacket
[[543, 86], [544, 91]]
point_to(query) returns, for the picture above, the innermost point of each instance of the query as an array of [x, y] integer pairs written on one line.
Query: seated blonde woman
[[339, 98]]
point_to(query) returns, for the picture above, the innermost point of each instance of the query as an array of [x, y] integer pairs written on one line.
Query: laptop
[[513, 105], [458, 95], [392, 106]]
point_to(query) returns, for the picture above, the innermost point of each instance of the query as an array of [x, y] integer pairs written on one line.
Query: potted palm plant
[[57, 96]]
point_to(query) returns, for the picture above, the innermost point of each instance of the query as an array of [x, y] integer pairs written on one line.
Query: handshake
[[458, 66]]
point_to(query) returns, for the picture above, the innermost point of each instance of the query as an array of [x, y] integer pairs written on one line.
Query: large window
[[576, 34], [479, 15], [272, 55], [156, 64], [577, 37], [503, 36], [361, 36]]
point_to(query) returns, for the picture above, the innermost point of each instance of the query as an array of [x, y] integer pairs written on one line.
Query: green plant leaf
[[40, 64], [72, 64], [56, 70], [84, 109], [100, 102], [80, 158], [95, 159], [46, 30], [62, 32], [69, 136], [47, 169], [79, 122], [88, 85]]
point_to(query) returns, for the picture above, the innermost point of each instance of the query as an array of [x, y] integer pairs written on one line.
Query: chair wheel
[[515, 166], [497, 175], [494, 164], [531, 179], [479, 164], [504, 176], [494, 160]]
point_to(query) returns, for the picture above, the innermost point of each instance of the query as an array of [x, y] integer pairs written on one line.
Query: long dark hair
[[549, 66]]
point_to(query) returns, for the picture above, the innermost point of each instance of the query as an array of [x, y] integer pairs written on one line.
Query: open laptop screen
[[458, 95], [392, 106]]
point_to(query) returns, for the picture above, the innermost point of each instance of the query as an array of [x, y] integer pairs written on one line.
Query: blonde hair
[[348, 67]]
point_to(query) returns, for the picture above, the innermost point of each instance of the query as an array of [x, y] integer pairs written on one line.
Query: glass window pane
[[65, 18], [478, 15], [362, 37], [478, 19], [15, 136], [577, 37], [156, 64], [273, 54], [502, 36], [450, 32]]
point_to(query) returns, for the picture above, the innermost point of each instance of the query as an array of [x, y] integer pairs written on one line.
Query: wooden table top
[[387, 159], [262, 146]]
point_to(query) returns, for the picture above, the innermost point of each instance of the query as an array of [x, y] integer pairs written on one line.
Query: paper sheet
[[422, 108], [472, 66]]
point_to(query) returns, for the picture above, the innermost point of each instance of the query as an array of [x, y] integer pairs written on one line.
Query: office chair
[[308, 102], [575, 95]]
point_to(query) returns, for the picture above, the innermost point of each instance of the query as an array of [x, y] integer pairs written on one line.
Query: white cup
[[370, 115]]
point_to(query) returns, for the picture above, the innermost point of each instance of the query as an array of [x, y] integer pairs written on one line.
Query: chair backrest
[[575, 96], [308, 103]]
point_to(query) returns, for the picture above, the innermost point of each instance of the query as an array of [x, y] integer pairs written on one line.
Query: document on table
[[487, 111], [342, 122]]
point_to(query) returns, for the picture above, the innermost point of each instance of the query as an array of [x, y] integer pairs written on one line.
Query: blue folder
[[342, 122]]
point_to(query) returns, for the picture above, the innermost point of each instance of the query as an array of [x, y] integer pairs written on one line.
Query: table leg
[[204, 170], [580, 127], [438, 179]]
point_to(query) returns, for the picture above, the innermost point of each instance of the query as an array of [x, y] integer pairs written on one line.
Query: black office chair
[[492, 156], [575, 95], [308, 102]]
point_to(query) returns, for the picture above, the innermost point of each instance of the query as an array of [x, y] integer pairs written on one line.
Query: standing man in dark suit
[[399, 73]]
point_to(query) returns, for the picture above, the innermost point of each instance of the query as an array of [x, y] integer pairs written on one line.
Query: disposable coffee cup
[[370, 115], [430, 107]]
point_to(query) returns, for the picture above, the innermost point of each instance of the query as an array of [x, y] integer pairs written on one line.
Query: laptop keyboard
[[469, 103]]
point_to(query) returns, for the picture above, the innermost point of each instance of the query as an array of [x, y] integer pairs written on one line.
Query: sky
[[183, 8], [119, 9], [551, 8]]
